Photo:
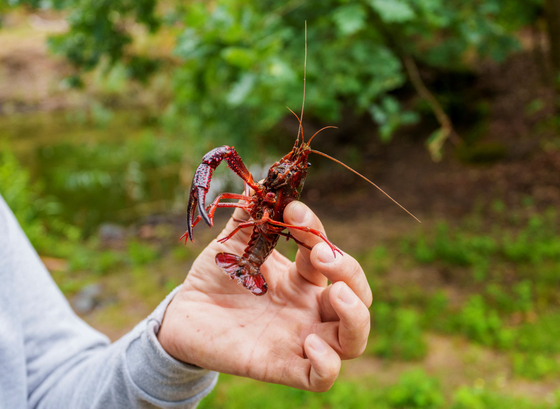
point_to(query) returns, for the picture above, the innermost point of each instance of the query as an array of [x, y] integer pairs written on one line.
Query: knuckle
[[325, 382], [355, 352]]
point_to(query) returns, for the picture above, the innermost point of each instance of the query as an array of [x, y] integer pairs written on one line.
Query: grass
[[414, 389]]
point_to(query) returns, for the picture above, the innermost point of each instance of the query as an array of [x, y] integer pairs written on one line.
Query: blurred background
[[106, 108]]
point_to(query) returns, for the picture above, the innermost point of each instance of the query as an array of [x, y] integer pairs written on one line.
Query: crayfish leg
[[288, 236], [308, 230], [236, 230]]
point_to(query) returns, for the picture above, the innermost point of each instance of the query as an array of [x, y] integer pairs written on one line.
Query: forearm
[[50, 358], [133, 372]]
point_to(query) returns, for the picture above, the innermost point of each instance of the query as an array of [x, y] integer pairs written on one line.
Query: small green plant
[[540, 336], [106, 260], [457, 249], [523, 295], [483, 324], [435, 312], [39, 215], [479, 398], [416, 389], [468, 398], [535, 366], [536, 243], [397, 333], [377, 260], [556, 397], [518, 299], [140, 254], [423, 252]]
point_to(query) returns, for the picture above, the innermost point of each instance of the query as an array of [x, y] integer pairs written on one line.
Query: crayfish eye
[[270, 197], [308, 164]]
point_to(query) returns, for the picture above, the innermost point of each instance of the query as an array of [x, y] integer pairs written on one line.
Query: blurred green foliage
[[97, 32], [51, 226], [479, 398], [141, 254], [535, 366], [111, 181], [510, 306], [397, 334], [537, 243], [416, 389], [241, 62], [483, 324], [37, 213]]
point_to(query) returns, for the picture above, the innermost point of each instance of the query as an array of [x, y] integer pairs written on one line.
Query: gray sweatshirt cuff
[[160, 378]]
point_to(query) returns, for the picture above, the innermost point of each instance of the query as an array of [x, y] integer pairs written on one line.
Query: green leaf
[[241, 89], [409, 117], [187, 44], [393, 11], [350, 19], [239, 57]]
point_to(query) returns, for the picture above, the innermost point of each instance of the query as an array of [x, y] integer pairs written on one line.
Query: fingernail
[[317, 344], [299, 213], [347, 296], [325, 254]]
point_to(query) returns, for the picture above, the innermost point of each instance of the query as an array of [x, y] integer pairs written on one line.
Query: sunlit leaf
[[239, 57], [393, 11], [241, 89], [350, 19]]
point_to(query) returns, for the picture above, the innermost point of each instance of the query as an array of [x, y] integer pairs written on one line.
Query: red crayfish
[[265, 206]]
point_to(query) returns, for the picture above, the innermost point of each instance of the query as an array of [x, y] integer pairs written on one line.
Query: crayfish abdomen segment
[[244, 271]]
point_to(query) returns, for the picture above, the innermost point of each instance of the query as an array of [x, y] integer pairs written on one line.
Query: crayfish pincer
[[266, 205]]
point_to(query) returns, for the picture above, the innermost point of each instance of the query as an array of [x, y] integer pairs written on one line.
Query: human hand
[[296, 335]]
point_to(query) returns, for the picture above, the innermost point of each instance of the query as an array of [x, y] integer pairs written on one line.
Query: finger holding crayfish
[[319, 265]]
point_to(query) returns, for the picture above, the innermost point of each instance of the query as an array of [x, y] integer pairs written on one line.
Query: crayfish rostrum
[[266, 205]]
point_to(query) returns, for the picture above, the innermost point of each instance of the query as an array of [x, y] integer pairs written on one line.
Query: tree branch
[[446, 131]]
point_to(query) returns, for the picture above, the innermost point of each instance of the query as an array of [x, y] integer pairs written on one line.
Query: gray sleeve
[[69, 364]]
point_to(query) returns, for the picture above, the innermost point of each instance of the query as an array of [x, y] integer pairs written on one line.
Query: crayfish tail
[[246, 273]]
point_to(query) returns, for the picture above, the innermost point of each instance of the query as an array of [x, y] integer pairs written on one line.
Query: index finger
[[344, 268], [298, 214]]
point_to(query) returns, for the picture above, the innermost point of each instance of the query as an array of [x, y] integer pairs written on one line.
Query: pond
[[116, 171]]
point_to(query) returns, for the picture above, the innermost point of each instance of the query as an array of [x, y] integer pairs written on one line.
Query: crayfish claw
[[191, 207], [201, 210]]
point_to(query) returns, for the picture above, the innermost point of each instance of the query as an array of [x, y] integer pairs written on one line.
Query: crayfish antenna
[[322, 129], [300, 125], [366, 179], [304, 78]]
